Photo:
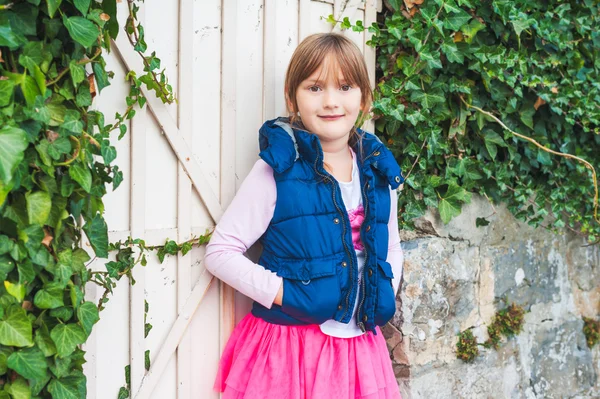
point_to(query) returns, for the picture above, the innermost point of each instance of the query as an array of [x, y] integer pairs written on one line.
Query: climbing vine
[[499, 98], [56, 160]]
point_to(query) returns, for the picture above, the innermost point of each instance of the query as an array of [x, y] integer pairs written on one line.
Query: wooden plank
[[206, 115], [171, 131], [304, 18], [173, 338], [138, 220], [369, 52], [184, 187], [316, 17], [281, 38], [228, 145]]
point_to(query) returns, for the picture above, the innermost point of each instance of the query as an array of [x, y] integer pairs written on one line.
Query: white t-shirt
[[352, 197]]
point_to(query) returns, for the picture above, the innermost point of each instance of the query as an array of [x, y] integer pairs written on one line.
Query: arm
[[242, 224], [395, 255]]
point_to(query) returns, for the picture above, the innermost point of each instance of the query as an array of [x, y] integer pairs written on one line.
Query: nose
[[330, 100]]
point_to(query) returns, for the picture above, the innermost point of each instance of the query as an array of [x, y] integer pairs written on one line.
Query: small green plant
[[467, 347], [507, 322], [591, 330]]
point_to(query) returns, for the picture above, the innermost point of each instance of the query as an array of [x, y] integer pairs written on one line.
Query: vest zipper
[[344, 217], [360, 323]]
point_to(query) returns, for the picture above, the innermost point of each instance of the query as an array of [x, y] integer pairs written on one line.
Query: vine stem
[[137, 39], [561, 154], [416, 160], [67, 69]]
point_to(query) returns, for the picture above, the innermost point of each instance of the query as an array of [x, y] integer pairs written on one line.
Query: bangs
[[337, 65]]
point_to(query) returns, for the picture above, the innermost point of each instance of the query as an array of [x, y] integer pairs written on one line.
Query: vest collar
[[282, 144]]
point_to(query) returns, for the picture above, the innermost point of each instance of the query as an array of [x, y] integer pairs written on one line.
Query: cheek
[[354, 102]]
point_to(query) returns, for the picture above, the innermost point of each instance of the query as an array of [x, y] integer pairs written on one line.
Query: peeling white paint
[[434, 327], [519, 276]]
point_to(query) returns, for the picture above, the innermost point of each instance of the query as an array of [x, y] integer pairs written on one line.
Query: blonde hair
[[334, 52]]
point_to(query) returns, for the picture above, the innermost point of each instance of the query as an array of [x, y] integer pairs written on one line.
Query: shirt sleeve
[[395, 255], [242, 224]]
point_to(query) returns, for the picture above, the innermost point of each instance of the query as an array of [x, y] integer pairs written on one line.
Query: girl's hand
[[279, 297]]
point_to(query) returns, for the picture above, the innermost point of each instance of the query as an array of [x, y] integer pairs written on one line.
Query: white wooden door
[[183, 162]]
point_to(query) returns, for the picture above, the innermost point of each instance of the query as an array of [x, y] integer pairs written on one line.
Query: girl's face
[[328, 107]]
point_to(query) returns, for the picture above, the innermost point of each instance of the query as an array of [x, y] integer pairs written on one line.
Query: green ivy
[[56, 160], [533, 66]]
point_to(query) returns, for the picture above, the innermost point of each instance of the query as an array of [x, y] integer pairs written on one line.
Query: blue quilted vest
[[309, 241]]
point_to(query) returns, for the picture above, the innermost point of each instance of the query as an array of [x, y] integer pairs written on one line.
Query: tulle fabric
[[269, 361]]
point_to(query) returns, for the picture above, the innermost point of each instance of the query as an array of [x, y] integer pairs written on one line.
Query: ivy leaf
[[80, 257], [450, 204], [97, 233], [109, 153], [432, 59], [77, 72], [88, 316], [13, 142], [451, 51], [7, 264], [6, 91], [5, 244], [39, 206], [16, 329], [544, 158], [72, 387], [527, 116], [456, 20], [4, 354], [81, 30], [50, 297], [100, 75], [61, 366], [491, 140], [18, 389], [53, 6], [26, 272], [82, 175], [30, 363], [428, 100], [110, 8], [521, 24], [123, 393], [16, 290], [44, 342], [8, 36], [66, 337], [83, 6]]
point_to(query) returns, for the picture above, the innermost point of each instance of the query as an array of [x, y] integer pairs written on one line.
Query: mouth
[[330, 117]]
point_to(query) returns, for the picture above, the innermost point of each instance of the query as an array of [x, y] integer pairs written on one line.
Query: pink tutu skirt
[[270, 361]]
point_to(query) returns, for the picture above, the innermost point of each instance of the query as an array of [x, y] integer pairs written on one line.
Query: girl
[[322, 202]]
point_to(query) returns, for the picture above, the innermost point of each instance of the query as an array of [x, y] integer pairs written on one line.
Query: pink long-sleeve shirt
[[244, 222]]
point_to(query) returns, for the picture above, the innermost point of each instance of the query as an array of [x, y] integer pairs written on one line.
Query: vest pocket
[[311, 290], [385, 305]]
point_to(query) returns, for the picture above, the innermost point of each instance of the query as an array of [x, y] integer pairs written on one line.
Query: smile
[[330, 117]]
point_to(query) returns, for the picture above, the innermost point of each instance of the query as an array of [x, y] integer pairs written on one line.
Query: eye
[[314, 89], [346, 87]]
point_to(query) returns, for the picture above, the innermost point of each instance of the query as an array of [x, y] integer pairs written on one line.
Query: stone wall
[[457, 276]]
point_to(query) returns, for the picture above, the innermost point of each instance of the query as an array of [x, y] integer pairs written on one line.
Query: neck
[[335, 147], [338, 152], [337, 161]]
